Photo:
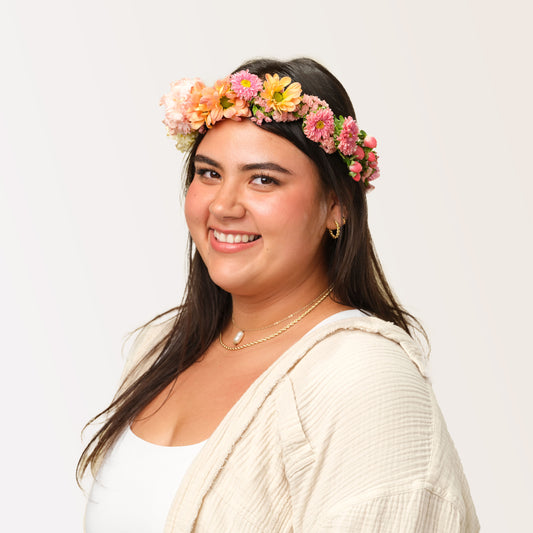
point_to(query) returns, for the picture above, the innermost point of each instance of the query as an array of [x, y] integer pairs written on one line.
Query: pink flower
[[356, 167], [278, 116], [303, 110], [261, 102], [371, 156], [313, 103], [348, 136], [328, 145], [319, 125], [357, 177], [258, 118], [177, 105], [370, 142], [359, 153], [374, 175], [245, 85]]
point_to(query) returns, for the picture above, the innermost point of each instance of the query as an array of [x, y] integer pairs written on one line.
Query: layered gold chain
[[313, 305]]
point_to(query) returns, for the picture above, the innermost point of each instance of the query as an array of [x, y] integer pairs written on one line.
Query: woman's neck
[[258, 311]]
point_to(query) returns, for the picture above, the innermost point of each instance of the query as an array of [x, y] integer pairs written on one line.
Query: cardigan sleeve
[[409, 511], [383, 459]]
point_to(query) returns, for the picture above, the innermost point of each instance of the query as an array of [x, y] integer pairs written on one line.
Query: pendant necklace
[[240, 334]]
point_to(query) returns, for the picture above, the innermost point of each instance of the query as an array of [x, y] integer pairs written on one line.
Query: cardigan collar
[[205, 468]]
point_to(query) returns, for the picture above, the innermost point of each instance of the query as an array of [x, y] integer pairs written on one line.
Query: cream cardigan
[[342, 433]]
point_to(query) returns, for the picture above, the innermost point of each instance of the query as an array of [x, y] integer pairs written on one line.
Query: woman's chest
[[190, 408]]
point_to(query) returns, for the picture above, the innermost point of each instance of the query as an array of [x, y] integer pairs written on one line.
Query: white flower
[[184, 142]]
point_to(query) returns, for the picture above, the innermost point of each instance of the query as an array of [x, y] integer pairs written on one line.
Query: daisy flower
[[209, 104], [277, 96], [319, 125], [245, 85]]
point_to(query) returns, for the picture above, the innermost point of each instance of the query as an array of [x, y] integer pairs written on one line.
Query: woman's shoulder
[[351, 347], [142, 341], [366, 406], [368, 375]]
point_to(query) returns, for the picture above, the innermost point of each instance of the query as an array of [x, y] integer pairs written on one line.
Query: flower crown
[[191, 108]]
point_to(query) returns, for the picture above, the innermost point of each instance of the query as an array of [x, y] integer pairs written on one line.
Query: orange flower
[[197, 114], [277, 96], [211, 104], [237, 107], [206, 106]]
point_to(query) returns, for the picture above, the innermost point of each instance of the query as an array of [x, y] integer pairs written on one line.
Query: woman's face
[[257, 212]]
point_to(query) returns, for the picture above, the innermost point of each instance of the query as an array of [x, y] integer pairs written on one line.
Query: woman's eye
[[265, 180], [207, 173]]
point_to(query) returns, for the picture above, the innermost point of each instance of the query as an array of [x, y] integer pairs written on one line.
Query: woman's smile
[[232, 241], [234, 237]]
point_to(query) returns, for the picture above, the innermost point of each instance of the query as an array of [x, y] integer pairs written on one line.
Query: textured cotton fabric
[[137, 481], [342, 433]]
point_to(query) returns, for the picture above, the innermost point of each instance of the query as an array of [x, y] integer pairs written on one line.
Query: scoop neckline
[[162, 446]]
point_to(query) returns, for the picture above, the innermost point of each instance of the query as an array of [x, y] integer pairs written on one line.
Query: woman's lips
[[232, 241]]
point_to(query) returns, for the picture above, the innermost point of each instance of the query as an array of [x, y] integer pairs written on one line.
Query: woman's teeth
[[234, 237]]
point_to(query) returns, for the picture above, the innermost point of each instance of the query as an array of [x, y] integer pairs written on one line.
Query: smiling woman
[[253, 185], [288, 392]]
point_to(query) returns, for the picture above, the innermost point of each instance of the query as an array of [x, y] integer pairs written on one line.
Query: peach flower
[[177, 104]]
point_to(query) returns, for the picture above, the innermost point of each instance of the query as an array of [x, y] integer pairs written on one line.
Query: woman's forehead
[[242, 143]]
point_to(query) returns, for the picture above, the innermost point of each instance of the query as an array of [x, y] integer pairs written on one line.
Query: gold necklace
[[241, 331], [319, 299]]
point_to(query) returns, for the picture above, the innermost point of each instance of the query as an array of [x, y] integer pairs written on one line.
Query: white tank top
[[138, 480], [135, 485]]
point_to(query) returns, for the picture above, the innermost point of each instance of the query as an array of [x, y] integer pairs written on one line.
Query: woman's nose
[[227, 202]]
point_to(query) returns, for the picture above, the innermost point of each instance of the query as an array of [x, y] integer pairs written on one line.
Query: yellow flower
[[277, 96]]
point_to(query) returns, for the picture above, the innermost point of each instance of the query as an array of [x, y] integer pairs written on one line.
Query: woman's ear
[[335, 212]]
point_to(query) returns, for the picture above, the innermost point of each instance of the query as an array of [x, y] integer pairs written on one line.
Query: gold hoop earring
[[337, 232]]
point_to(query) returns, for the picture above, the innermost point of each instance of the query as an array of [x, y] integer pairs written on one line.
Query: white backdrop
[[92, 236]]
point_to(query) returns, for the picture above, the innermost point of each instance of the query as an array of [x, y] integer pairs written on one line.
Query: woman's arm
[[383, 458]]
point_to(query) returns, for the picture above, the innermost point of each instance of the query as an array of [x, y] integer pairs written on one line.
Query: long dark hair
[[354, 269]]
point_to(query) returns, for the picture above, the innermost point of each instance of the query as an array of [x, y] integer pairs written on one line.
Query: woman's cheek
[[196, 206]]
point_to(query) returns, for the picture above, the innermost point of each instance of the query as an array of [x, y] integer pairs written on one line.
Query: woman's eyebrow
[[207, 160], [266, 166]]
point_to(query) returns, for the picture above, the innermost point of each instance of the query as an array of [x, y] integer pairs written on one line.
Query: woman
[[287, 393]]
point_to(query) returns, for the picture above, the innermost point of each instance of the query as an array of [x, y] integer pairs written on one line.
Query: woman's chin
[[235, 286]]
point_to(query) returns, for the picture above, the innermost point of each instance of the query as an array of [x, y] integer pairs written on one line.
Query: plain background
[[92, 236]]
